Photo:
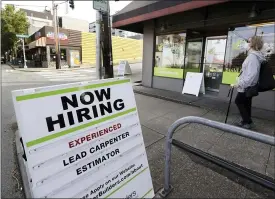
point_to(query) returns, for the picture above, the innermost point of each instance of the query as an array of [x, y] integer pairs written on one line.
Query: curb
[[22, 166], [48, 70]]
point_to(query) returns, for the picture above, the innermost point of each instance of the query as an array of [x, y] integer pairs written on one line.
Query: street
[[14, 80]]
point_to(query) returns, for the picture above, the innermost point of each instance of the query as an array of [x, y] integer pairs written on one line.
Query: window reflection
[[267, 33], [236, 53], [169, 55], [170, 50]]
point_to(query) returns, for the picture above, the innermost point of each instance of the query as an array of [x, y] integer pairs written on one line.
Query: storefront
[[194, 36], [42, 48]]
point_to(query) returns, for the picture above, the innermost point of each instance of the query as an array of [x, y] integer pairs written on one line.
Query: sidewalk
[[193, 177], [209, 102]]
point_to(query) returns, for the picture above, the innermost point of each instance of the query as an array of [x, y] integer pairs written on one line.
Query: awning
[[144, 12], [41, 42]]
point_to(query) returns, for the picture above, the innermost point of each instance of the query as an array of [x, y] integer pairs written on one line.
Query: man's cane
[[231, 90]]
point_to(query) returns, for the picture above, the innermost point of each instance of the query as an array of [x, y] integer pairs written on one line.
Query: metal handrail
[[217, 125]]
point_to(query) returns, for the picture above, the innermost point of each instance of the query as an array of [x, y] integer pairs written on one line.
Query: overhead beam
[[166, 11]]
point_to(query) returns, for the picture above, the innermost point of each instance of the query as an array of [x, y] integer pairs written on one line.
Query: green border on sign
[[229, 77], [69, 90], [168, 72]]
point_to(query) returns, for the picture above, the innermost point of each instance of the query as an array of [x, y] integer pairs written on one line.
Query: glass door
[[213, 62], [193, 56]]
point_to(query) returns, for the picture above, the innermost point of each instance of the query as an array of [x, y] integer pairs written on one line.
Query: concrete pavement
[[193, 177]]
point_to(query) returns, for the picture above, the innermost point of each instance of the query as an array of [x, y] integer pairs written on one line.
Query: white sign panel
[[193, 84], [83, 140], [100, 5], [124, 68]]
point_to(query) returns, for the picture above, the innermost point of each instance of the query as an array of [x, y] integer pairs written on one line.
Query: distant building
[[117, 32], [37, 20], [74, 24]]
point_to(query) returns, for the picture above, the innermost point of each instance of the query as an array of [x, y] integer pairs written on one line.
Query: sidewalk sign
[[124, 68], [83, 140], [193, 84]]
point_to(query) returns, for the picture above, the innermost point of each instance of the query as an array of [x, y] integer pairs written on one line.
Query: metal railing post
[[217, 125]]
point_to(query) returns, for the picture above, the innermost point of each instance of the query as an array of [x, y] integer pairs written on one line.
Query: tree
[[12, 22]]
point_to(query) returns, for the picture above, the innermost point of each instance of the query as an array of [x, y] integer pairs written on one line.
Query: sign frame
[[84, 158]]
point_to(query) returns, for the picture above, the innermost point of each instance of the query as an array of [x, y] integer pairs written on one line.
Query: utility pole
[[103, 39], [111, 68], [107, 44], [98, 45], [24, 55], [56, 36]]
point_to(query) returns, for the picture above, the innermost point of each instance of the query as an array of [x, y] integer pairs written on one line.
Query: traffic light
[[71, 3], [60, 22]]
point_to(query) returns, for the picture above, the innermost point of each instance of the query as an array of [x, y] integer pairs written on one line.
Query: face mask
[[246, 46]]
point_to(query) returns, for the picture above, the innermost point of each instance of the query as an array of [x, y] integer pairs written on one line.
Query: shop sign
[[83, 140], [62, 36], [168, 72]]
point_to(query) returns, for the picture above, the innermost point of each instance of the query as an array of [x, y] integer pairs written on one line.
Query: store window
[[63, 54], [52, 54], [236, 52], [169, 55], [267, 31]]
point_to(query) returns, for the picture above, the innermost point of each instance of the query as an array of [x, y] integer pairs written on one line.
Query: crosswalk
[[75, 75]]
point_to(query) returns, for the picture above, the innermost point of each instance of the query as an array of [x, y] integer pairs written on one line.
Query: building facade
[[37, 20], [117, 32], [41, 49], [77, 48], [200, 36]]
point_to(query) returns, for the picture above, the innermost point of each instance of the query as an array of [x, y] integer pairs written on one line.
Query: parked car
[[3, 60]]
